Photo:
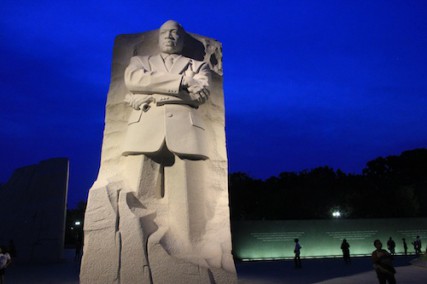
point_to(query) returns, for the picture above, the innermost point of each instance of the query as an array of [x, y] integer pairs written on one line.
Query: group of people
[[382, 259], [391, 246]]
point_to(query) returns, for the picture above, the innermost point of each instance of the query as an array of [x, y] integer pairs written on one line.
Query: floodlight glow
[[77, 223], [336, 214]]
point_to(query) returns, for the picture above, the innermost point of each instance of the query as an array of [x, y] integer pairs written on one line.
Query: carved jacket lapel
[[158, 64], [180, 65]]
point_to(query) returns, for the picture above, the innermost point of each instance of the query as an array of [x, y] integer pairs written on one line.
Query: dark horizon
[[398, 167]]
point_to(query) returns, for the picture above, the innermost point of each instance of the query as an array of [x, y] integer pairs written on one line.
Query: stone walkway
[[333, 271]]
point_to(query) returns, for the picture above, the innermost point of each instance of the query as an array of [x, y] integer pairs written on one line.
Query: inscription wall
[[254, 240]]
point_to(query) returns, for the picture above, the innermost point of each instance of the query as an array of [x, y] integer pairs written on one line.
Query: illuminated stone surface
[[158, 212]]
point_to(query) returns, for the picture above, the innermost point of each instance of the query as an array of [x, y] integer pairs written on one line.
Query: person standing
[[345, 247], [383, 264], [297, 252], [405, 246], [391, 245], [5, 260], [417, 245]]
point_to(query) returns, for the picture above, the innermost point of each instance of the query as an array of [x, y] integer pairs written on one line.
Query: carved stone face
[[171, 37]]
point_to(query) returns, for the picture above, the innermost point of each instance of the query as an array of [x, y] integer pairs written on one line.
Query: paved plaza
[[331, 271]]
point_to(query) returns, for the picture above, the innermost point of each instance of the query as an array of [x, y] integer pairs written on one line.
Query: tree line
[[390, 187]]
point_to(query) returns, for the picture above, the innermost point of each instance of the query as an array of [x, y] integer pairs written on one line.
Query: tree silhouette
[[398, 183]]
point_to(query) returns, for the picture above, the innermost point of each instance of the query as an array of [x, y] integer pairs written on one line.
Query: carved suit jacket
[[173, 117]]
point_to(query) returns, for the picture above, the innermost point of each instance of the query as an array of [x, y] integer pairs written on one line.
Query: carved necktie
[[169, 62]]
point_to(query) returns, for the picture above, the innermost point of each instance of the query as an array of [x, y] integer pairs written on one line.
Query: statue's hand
[[199, 93], [139, 101]]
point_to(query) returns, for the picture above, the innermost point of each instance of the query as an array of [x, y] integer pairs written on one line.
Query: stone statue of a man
[[165, 91], [158, 212]]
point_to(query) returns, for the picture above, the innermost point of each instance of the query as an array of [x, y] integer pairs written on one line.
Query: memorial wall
[[32, 214], [258, 240]]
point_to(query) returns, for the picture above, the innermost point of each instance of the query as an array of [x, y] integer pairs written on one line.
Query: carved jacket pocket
[[135, 116], [196, 120]]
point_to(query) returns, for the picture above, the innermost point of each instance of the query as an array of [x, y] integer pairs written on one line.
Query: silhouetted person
[[417, 245], [5, 260], [391, 245], [297, 252], [383, 264], [345, 247], [405, 246]]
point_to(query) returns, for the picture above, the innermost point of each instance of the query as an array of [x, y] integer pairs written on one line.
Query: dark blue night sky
[[307, 83]]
